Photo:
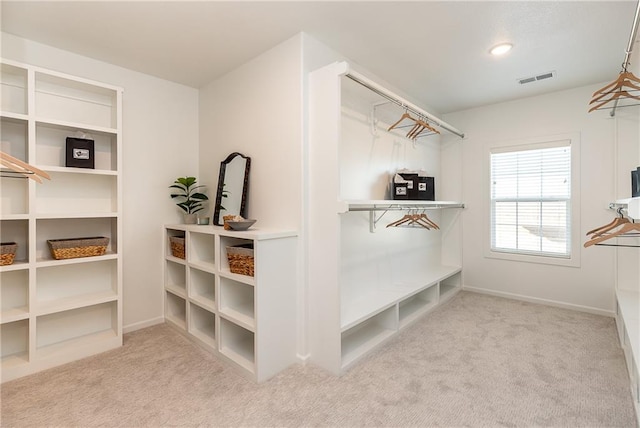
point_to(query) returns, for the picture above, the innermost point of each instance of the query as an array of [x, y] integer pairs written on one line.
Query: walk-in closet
[[332, 214]]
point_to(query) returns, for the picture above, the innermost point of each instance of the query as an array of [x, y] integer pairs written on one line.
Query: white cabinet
[[57, 311], [367, 282], [249, 321]]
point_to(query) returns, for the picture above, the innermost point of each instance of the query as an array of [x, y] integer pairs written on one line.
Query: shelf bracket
[[373, 221]]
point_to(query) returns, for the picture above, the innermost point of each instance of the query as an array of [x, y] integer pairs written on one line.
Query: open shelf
[[202, 287], [16, 231], [14, 340], [13, 89], [65, 287], [62, 228], [360, 339], [237, 344], [14, 196], [201, 250], [203, 325], [14, 133], [176, 310], [228, 241], [14, 295], [82, 326], [237, 302], [66, 194], [51, 147], [75, 101], [362, 305], [175, 278], [450, 285], [416, 305]]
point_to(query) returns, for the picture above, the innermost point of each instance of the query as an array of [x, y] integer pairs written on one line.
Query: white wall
[[160, 143], [589, 287], [256, 110]]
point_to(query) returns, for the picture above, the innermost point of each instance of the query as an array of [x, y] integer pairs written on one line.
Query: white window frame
[[533, 143]]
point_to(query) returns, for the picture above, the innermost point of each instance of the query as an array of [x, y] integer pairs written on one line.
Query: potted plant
[[190, 200]]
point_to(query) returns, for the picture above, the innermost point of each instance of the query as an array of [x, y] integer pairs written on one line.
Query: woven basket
[[7, 253], [78, 247], [241, 259], [177, 246]]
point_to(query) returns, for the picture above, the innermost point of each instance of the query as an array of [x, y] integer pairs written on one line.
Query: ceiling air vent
[[542, 76]]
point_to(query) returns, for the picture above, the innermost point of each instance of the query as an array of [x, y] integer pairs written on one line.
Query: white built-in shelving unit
[[628, 300], [367, 282], [249, 321], [57, 311]]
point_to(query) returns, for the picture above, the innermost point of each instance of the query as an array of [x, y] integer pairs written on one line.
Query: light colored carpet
[[476, 361]]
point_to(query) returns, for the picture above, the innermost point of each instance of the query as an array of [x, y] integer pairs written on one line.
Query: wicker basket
[[7, 253], [78, 247], [240, 259], [177, 246]]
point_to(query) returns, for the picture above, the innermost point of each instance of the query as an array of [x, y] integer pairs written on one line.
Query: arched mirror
[[233, 183]]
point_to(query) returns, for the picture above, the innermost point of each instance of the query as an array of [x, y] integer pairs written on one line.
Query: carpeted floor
[[477, 361]]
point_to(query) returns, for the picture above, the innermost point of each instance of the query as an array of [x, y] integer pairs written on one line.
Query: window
[[531, 199]]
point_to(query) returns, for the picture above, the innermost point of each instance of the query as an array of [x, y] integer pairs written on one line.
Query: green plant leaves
[[193, 201]]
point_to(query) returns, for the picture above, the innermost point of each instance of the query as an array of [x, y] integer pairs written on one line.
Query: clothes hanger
[[618, 85], [626, 228], [616, 95], [429, 221], [405, 115], [618, 221], [404, 219], [622, 78], [23, 168]]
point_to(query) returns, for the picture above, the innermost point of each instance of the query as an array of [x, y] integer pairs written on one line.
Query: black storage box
[[80, 153], [412, 184], [400, 191], [635, 183], [426, 189]]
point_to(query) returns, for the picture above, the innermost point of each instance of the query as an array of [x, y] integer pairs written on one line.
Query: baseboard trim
[[537, 300], [142, 324]]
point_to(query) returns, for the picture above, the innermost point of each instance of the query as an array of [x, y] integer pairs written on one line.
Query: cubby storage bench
[[249, 321], [56, 311]]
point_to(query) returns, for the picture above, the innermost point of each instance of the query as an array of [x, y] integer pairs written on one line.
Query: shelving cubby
[[219, 309], [57, 311], [14, 295]]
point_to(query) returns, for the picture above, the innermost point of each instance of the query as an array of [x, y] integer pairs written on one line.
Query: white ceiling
[[435, 51]]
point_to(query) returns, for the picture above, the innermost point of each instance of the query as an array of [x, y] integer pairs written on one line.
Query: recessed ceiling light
[[501, 49]]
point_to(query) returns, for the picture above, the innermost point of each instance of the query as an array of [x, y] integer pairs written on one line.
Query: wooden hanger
[[619, 85], [626, 228], [622, 80], [616, 95], [406, 115], [618, 221], [22, 168]]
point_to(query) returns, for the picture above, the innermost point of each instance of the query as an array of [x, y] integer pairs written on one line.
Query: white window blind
[[531, 199]]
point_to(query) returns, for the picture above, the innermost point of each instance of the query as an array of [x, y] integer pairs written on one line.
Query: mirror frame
[[245, 187]]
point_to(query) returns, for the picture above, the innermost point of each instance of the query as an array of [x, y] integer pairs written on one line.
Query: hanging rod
[[374, 87], [627, 55]]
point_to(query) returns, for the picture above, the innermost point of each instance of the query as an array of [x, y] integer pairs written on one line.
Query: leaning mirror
[[233, 181]]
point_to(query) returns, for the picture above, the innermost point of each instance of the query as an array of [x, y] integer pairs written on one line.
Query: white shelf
[[382, 204], [632, 205], [69, 303], [14, 314], [414, 306], [41, 263], [16, 265], [362, 338], [219, 309], [365, 304], [69, 170], [57, 311], [88, 340], [629, 303]]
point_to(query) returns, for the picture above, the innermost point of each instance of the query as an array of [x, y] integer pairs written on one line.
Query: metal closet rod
[[374, 87], [627, 55]]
